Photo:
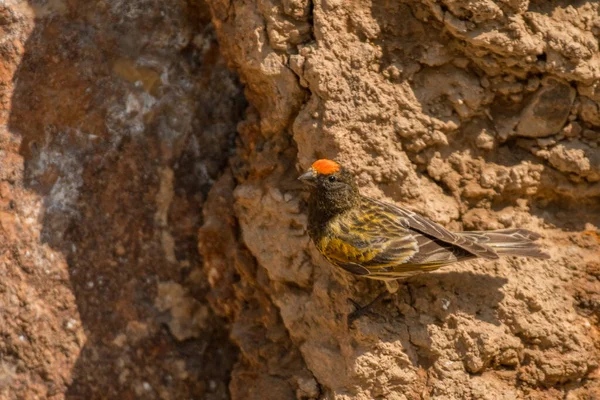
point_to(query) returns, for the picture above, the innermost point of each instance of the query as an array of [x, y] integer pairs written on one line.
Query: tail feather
[[510, 242]]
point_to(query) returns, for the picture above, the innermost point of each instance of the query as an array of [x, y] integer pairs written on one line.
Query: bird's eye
[[332, 178]]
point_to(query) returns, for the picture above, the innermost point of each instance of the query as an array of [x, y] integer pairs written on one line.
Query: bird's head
[[332, 184]]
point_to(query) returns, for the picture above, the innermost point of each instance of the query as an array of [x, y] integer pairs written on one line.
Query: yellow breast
[[338, 250]]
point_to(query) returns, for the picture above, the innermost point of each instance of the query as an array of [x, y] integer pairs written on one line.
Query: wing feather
[[422, 225], [370, 240], [386, 242]]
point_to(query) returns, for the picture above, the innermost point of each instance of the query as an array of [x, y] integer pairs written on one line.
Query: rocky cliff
[[153, 235], [479, 115]]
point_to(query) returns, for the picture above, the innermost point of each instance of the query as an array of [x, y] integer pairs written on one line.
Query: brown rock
[[575, 158], [548, 109], [389, 102], [118, 141], [115, 119]]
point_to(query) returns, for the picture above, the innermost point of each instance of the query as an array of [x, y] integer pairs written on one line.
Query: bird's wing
[[416, 222], [361, 242], [390, 264], [387, 251], [380, 241]]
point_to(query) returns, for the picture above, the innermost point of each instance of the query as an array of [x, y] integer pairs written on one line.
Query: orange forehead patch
[[326, 167]]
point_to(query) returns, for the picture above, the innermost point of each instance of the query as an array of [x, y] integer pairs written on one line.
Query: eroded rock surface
[[128, 204], [479, 115]]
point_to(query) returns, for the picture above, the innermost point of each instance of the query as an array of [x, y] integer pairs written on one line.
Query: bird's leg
[[392, 287], [362, 310]]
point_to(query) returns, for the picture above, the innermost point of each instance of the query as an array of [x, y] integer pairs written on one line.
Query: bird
[[379, 240]]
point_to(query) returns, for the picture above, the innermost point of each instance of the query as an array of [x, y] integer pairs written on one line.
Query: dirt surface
[[479, 115], [116, 118], [153, 234]]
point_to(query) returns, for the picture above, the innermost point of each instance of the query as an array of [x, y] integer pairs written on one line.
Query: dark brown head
[[333, 189]]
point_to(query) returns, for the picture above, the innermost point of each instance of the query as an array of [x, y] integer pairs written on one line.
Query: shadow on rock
[[126, 114], [432, 311], [442, 294]]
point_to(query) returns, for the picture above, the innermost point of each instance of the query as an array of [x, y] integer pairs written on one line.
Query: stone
[[548, 109]]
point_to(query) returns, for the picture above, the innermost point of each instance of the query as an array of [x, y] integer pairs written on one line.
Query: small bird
[[379, 240]]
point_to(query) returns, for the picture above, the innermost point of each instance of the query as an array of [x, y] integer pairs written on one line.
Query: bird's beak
[[310, 176]]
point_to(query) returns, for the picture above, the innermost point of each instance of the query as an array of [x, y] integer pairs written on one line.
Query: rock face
[[479, 115], [138, 231], [116, 117]]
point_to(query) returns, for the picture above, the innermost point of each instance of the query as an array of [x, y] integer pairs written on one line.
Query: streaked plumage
[[379, 240]]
